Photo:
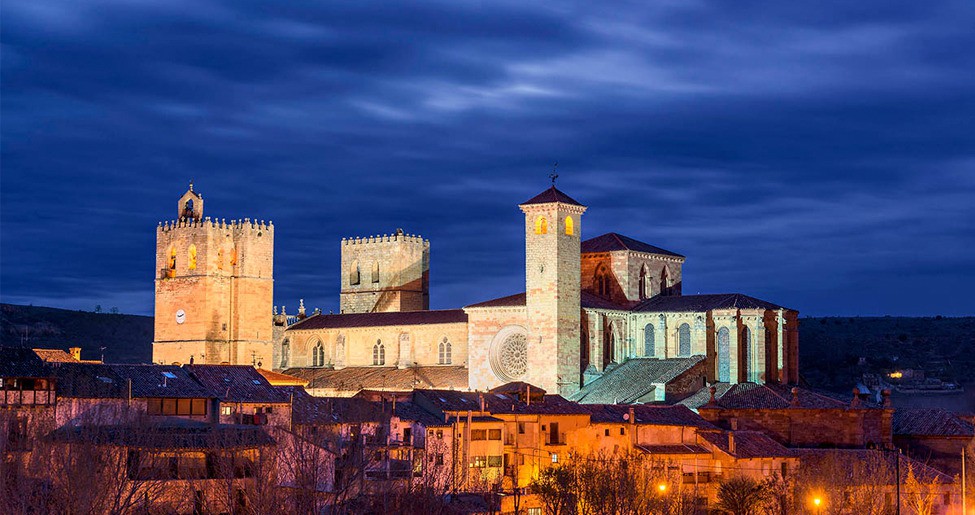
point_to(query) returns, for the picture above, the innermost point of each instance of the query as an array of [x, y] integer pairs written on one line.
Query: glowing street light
[[662, 488], [817, 501]]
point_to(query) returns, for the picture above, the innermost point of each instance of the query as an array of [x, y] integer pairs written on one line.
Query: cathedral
[[601, 320]]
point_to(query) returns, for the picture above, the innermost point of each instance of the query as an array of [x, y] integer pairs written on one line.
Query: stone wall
[[625, 267], [385, 273], [809, 427], [484, 328]]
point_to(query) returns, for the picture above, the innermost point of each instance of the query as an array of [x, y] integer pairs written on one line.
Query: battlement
[[208, 223], [386, 238]]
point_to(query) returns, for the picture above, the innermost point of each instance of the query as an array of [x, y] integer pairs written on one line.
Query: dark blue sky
[[820, 155]]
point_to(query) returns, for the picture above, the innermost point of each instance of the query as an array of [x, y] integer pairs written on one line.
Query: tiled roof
[[703, 396], [442, 316], [748, 444], [309, 410], [176, 434], [673, 449], [931, 422], [551, 195], [631, 381], [612, 241], [383, 378], [515, 300], [22, 362], [278, 379], [700, 303], [645, 414], [411, 412], [55, 355], [236, 383], [87, 380], [589, 300], [774, 396]]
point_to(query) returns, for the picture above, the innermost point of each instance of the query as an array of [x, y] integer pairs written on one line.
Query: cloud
[[788, 150]]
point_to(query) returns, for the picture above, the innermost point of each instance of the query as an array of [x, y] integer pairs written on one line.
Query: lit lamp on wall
[[817, 502], [662, 488]]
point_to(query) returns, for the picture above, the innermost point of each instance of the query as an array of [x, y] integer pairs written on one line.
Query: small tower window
[[602, 281], [379, 353], [644, 283], [354, 273], [172, 258], [648, 341], [541, 225], [191, 263], [445, 352], [317, 355], [375, 272], [569, 226]]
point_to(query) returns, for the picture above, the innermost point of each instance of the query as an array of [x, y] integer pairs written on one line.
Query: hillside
[[126, 338], [830, 349]]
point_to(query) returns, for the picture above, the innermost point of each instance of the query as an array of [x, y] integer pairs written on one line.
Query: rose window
[[511, 357]]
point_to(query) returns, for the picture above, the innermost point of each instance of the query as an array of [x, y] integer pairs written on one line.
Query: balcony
[[26, 397]]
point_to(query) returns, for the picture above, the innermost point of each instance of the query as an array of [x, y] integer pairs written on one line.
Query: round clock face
[[180, 316]]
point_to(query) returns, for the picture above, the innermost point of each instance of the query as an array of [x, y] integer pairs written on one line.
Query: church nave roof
[[612, 241], [701, 303], [425, 317]]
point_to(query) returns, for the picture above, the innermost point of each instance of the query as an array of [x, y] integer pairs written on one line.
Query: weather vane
[[554, 175]]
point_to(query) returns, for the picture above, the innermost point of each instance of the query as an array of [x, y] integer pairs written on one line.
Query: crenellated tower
[[385, 273], [553, 224], [214, 288]]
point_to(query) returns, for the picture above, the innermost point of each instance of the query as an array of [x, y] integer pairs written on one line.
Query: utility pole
[[964, 498]]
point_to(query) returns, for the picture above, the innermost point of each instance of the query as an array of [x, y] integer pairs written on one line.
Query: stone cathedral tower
[[214, 287], [553, 224], [385, 273]]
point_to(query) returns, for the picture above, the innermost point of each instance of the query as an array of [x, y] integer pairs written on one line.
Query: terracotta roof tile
[[55, 355], [774, 396], [442, 316], [515, 300], [748, 444], [89, 380], [278, 379], [236, 383], [673, 449], [931, 422], [630, 381], [22, 362], [612, 241], [551, 195], [646, 414], [382, 378], [700, 303]]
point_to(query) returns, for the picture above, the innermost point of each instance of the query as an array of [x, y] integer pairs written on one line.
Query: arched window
[[569, 226], [378, 353], [444, 352], [644, 283], [318, 355], [746, 352], [172, 258], [191, 262], [663, 281], [188, 209], [541, 225], [375, 272], [285, 353], [648, 343], [724, 355], [354, 273], [602, 281], [684, 340]]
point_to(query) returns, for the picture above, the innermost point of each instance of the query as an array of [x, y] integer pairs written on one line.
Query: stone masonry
[[385, 273]]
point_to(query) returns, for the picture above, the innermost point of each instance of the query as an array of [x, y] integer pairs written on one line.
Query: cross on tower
[[554, 175]]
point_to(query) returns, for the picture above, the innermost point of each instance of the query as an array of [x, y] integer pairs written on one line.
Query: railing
[[26, 397]]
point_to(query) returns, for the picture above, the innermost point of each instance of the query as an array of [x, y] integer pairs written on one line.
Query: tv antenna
[[554, 175]]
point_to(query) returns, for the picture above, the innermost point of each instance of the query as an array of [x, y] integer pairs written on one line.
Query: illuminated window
[[354, 273], [569, 226], [724, 355], [172, 258], [375, 272], [444, 352], [684, 340], [378, 353], [555, 458], [317, 355], [191, 264], [541, 225], [648, 340]]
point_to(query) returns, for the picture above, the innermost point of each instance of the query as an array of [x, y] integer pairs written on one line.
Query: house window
[[444, 352], [378, 353], [541, 225], [318, 355], [555, 458], [226, 410], [684, 340], [478, 434], [169, 406], [439, 459], [648, 340], [607, 432], [479, 462], [494, 434], [521, 428], [494, 461], [569, 226]]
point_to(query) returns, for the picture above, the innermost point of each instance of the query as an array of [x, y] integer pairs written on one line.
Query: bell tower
[[553, 224], [213, 288]]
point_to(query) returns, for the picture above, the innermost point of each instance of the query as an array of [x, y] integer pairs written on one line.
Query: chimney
[[731, 442], [795, 397], [886, 395], [481, 398], [734, 424], [75, 353], [712, 390], [632, 416], [855, 401]]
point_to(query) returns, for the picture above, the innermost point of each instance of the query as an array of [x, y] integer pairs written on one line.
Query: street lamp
[[817, 501], [662, 488]]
